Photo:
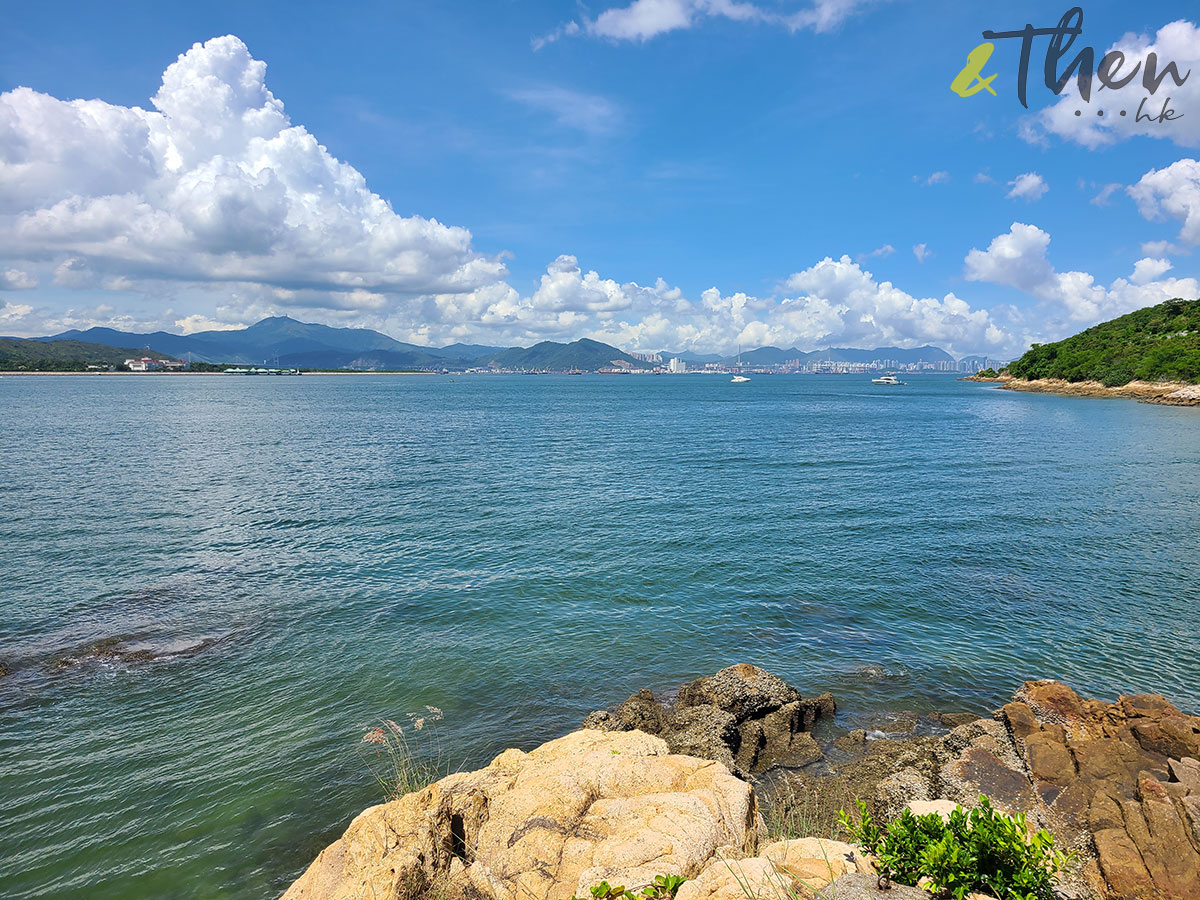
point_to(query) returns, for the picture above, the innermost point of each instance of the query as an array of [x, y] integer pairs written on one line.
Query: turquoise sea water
[[518, 551]]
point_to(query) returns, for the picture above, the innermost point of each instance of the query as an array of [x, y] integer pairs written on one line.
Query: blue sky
[[730, 172]]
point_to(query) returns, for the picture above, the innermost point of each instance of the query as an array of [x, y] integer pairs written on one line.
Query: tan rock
[[924, 807], [1172, 861], [1121, 864], [1053, 701], [1049, 760], [1020, 720], [782, 871], [1140, 705], [1191, 812], [1186, 771], [550, 823]]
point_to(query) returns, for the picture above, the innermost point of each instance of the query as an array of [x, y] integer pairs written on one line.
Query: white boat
[[887, 379], [739, 379]]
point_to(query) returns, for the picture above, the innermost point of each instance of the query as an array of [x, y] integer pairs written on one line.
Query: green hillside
[[20, 355], [586, 355], [1158, 343]]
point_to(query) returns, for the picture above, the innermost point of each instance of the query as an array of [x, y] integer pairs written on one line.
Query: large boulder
[[544, 825], [743, 717]]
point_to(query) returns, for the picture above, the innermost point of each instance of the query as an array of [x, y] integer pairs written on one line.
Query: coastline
[[679, 785], [1166, 393]]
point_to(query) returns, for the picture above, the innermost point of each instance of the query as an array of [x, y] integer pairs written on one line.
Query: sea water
[[298, 558]]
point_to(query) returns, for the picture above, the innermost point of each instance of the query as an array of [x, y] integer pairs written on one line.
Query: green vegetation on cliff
[[1158, 343]]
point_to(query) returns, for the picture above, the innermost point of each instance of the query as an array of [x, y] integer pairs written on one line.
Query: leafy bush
[[986, 373], [664, 887], [979, 850]]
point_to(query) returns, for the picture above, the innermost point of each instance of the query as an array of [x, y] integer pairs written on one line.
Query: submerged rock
[[743, 717], [130, 649]]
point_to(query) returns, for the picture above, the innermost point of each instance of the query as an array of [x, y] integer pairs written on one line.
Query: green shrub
[[664, 887], [986, 373], [980, 850]]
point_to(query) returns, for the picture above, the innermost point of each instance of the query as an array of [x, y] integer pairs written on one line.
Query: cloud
[[1018, 259], [215, 204], [589, 113], [17, 280], [1161, 248], [922, 252], [885, 250], [198, 322], [1028, 187], [935, 178], [1104, 197], [216, 185], [983, 178], [1147, 270], [1177, 42], [643, 20], [10, 312], [834, 302], [1174, 192]]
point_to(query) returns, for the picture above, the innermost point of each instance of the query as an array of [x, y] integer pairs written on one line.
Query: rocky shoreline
[[725, 784], [1167, 393]]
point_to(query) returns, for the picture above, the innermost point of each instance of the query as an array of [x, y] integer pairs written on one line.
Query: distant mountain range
[[284, 341]]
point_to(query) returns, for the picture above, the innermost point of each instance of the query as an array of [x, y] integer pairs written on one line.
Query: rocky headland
[[725, 784], [1167, 393]]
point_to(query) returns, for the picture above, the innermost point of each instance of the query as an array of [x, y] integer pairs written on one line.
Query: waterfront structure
[[150, 364]]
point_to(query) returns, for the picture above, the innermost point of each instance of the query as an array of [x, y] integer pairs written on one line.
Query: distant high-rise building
[[677, 365]]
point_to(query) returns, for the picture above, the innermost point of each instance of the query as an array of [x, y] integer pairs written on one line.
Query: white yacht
[[887, 379], [739, 378]]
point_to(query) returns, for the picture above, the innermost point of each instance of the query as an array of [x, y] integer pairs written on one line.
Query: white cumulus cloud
[[1028, 187], [1018, 259], [217, 184], [1174, 192], [1177, 42]]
